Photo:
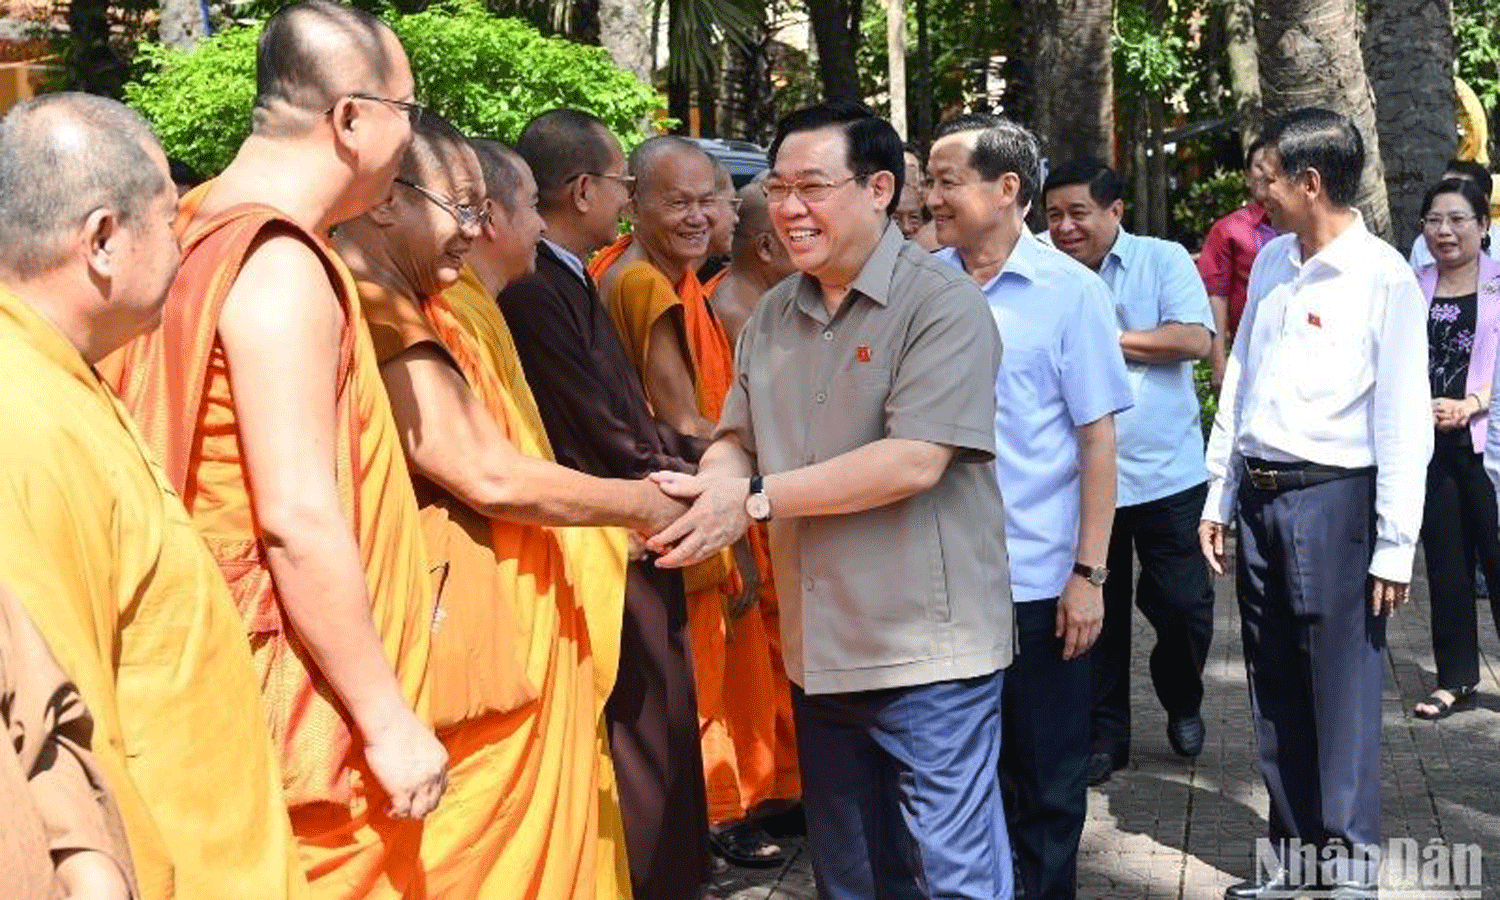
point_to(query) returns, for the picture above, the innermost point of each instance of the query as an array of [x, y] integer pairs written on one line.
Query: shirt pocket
[[1326, 351], [850, 412]]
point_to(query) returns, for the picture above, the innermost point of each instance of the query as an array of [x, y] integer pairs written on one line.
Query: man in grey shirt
[[861, 426]]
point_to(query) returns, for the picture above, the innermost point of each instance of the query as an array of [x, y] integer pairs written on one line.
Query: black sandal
[[747, 845], [1463, 698]]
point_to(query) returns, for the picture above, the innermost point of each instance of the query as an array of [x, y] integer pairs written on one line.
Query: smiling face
[[515, 234], [1289, 196], [1453, 231], [829, 237], [427, 236], [1081, 227], [966, 209], [677, 204]]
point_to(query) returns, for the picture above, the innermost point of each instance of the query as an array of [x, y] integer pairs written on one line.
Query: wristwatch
[[1094, 575], [757, 504]]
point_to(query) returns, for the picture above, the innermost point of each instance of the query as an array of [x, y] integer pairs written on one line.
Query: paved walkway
[[1168, 828]]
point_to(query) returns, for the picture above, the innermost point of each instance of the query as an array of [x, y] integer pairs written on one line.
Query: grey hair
[[1002, 146], [63, 156]]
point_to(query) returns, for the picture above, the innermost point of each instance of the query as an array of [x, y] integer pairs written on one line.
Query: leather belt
[[1277, 477]]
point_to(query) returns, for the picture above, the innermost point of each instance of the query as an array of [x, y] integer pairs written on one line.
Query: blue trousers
[[900, 792]]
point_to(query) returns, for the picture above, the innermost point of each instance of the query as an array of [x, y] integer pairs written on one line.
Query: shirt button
[[821, 397], [828, 335]]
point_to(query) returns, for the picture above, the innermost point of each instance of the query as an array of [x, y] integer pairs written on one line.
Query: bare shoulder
[[282, 283]]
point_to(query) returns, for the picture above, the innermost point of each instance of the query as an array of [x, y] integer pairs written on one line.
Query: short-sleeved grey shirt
[[916, 591]]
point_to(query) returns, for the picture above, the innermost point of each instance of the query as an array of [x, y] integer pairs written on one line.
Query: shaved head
[[62, 157], [502, 178], [722, 179], [646, 158], [435, 144], [561, 144], [314, 52], [755, 213]]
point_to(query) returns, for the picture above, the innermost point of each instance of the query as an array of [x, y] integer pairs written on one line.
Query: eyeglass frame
[[467, 215], [796, 188], [414, 111], [626, 181], [1453, 220]]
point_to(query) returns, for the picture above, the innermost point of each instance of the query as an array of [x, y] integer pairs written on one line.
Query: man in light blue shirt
[[1061, 380], [1165, 323]]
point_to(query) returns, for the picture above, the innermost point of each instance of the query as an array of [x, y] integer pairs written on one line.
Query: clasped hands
[[707, 513], [1454, 415]]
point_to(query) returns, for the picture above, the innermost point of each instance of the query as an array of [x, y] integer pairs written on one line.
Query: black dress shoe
[[1101, 765], [1279, 887], [1185, 734]]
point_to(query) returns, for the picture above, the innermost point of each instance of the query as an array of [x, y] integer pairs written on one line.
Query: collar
[[567, 257], [1123, 249], [33, 329], [873, 280], [1022, 262], [1342, 254], [1257, 212]]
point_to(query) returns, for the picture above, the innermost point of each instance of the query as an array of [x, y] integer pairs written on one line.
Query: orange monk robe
[[638, 296], [595, 557], [521, 818], [176, 383], [53, 793], [102, 555]]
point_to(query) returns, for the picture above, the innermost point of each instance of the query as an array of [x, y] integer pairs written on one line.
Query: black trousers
[[1175, 595], [1459, 527], [1314, 654], [1044, 745]]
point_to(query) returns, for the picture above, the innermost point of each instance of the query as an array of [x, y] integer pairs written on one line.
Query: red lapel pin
[[862, 352]]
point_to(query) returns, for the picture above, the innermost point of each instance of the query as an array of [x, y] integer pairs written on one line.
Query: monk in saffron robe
[[721, 235], [598, 421], [93, 541], [765, 737], [521, 817], [261, 394], [683, 356], [62, 836]]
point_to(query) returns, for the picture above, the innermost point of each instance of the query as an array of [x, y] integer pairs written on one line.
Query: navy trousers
[[1315, 658], [900, 791]]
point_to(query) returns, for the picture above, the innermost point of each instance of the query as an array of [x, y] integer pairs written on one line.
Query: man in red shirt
[[1229, 250]]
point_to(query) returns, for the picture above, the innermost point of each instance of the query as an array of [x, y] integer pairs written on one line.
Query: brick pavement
[[1168, 828]]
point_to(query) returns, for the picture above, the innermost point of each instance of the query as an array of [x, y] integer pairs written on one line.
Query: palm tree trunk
[[835, 41], [625, 31], [182, 25], [1072, 80], [1409, 55], [1244, 65], [1309, 56]]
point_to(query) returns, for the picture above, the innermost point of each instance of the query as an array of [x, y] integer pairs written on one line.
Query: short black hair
[[432, 138], [1104, 184], [874, 145], [1255, 147], [1321, 139], [1475, 172], [1479, 204], [561, 144], [293, 66], [502, 178], [183, 175], [1002, 146]]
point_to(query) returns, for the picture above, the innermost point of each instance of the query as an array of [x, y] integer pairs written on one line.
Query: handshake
[[691, 517]]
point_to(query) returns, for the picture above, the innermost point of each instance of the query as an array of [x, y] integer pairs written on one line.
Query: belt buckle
[[1262, 479]]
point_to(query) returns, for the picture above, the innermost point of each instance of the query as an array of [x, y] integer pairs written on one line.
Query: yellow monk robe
[[522, 815], [176, 383], [638, 296], [105, 560], [595, 557]]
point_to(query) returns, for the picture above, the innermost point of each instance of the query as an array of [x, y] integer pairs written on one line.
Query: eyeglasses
[[625, 181], [778, 192], [1454, 220], [414, 111], [468, 216], [734, 202]]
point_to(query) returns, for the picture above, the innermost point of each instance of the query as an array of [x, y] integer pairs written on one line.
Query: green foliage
[[1476, 47], [1207, 199], [1208, 400], [1147, 56], [486, 75]]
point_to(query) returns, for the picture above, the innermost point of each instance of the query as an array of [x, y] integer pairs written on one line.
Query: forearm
[[538, 492], [321, 584], [1169, 343], [1220, 341], [875, 475], [1097, 490]]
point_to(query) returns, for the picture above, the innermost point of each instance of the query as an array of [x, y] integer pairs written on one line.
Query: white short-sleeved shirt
[[1062, 368], [1160, 438]]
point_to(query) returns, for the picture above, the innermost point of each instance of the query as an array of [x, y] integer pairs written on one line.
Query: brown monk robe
[[521, 815], [597, 420], [62, 835], [262, 396]]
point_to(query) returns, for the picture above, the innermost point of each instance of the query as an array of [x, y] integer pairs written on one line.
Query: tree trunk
[[1409, 55], [895, 51], [94, 65], [1309, 56], [1244, 66], [182, 25], [1072, 80], [680, 102], [835, 43], [625, 31], [923, 124]]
